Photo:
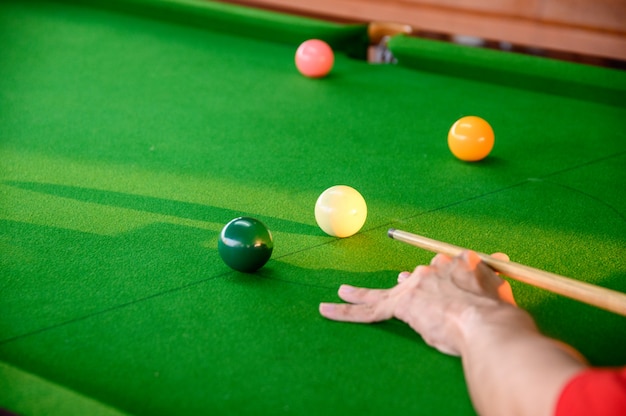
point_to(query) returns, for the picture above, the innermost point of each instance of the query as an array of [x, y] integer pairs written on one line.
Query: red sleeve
[[595, 391]]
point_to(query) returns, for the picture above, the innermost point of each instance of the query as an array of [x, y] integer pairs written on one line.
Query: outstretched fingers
[[364, 313], [359, 295], [365, 305]]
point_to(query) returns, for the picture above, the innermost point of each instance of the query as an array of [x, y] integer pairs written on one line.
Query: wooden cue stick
[[600, 297]]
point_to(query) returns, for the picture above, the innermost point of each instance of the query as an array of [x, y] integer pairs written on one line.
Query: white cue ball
[[340, 211]]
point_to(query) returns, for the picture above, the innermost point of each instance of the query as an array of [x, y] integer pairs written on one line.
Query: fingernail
[[346, 289], [403, 276], [326, 308], [501, 256]]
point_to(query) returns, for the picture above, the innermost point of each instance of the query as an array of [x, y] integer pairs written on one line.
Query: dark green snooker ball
[[245, 244]]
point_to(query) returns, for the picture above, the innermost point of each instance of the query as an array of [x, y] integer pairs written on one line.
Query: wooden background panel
[[607, 15], [595, 28], [513, 8]]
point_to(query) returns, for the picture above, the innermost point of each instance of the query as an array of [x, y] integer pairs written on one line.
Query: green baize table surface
[[132, 131]]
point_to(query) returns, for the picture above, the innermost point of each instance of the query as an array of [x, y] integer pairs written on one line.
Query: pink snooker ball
[[314, 58]]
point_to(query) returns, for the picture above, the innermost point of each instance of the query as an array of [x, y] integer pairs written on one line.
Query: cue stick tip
[[390, 232]]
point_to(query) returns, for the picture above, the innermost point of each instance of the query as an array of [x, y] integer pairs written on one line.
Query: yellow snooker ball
[[471, 139], [340, 211]]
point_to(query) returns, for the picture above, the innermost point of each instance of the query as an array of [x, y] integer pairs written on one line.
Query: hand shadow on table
[[320, 285], [86, 276], [162, 206], [602, 344]]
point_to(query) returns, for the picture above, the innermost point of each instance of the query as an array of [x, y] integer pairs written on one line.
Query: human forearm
[[504, 355]]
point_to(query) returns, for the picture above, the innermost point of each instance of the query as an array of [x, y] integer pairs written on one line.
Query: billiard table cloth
[[131, 131]]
